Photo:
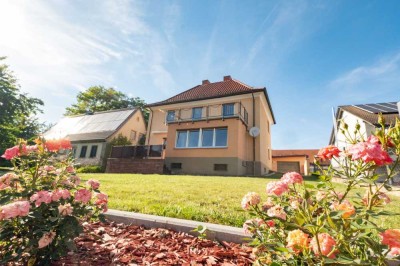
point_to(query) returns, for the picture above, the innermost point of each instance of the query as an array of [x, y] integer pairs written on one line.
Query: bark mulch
[[118, 244]]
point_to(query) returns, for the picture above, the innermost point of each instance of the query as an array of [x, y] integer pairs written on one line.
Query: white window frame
[[200, 139]]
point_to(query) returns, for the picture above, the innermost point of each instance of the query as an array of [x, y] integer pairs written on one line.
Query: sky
[[310, 55]]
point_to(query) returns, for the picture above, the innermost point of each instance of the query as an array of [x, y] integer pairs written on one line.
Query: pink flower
[[268, 204], [328, 152], [11, 153], [5, 180], [394, 252], [70, 169], [41, 197], [295, 202], [54, 145], [327, 245], [297, 241], [83, 195], [347, 208], [56, 195], [277, 211], [250, 199], [270, 223], [93, 183], [46, 239], [250, 226], [277, 188], [321, 195], [75, 179], [31, 149], [391, 238], [65, 194], [370, 151], [65, 209], [292, 178], [102, 200], [18, 208], [49, 168]]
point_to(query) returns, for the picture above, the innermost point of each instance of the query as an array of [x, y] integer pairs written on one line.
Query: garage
[[284, 167]]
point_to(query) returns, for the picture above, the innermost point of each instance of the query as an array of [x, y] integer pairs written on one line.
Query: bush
[[89, 169], [301, 224], [42, 203]]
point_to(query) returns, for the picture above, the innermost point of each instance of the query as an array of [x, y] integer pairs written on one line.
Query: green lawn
[[213, 199]]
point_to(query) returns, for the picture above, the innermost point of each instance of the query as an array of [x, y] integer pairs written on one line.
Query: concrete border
[[214, 232]]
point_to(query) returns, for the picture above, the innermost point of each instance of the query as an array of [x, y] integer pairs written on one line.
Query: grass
[[213, 199]]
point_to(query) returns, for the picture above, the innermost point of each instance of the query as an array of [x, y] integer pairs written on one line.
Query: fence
[[144, 151]]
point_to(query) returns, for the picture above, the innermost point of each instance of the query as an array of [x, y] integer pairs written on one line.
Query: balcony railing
[[143, 151], [209, 112]]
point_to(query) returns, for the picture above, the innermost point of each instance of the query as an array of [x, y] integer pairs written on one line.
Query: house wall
[[135, 122], [240, 144], [304, 163], [100, 155]]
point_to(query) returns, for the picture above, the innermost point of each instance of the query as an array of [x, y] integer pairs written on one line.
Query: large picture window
[[202, 138]]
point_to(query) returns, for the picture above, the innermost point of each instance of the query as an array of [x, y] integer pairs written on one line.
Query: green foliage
[[42, 204], [90, 169], [120, 140], [99, 98], [298, 222], [17, 110]]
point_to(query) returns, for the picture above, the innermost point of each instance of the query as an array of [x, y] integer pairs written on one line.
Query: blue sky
[[311, 55]]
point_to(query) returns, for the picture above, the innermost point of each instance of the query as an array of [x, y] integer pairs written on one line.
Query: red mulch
[[118, 244]]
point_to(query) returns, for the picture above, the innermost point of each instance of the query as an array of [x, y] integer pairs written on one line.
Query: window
[[197, 113], [83, 152], [93, 151], [197, 138], [181, 139], [221, 135], [207, 138], [176, 166], [220, 167], [171, 116], [193, 138], [133, 135], [228, 109], [74, 151]]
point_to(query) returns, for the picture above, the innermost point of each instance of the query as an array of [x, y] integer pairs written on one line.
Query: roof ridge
[[102, 112]]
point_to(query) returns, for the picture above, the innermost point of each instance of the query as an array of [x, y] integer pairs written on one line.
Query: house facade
[[205, 130], [90, 134]]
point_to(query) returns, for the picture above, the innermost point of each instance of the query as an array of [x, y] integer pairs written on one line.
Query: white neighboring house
[[90, 133], [367, 116]]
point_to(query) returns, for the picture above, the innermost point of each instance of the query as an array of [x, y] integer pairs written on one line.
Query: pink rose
[[75, 180], [277, 188], [83, 195], [54, 145], [326, 243], [11, 153], [297, 241], [292, 178], [93, 183], [56, 195], [328, 152], [15, 209], [49, 168], [268, 204], [250, 226], [70, 169], [391, 238], [250, 199], [394, 252], [5, 180], [65, 210], [370, 151], [102, 200], [46, 239], [277, 211], [41, 197], [65, 194], [345, 206]]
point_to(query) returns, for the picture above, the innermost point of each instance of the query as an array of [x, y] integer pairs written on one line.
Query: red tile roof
[[207, 90]]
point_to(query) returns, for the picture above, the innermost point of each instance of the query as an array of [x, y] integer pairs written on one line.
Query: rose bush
[[42, 203], [301, 224]]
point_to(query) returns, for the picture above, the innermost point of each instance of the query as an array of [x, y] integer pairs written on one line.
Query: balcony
[[140, 151], [209, 112]]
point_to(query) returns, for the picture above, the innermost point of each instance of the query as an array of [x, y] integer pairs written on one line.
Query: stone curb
[[215, 231]]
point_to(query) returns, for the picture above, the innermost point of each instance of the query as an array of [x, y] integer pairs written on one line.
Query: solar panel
[[375, 108]]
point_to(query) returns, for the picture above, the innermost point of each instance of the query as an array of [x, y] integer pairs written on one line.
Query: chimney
[[226, 78], [206, 81]]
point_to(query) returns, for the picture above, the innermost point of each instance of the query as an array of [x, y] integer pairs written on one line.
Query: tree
[[17, 110], [99, 98]]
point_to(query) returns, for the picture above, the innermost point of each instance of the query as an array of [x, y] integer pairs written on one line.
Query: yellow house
[[91, 133], [206, 129]]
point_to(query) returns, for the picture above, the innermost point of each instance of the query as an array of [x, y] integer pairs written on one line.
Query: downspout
[[254, 139], [149, 132]]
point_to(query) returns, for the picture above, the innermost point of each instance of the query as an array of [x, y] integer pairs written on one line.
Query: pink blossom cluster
[[93, 183], [54, 145], [279, 187], [250, 226], [83, 195], [6, 180], [345, 206], [370, 151], [277, 211], [46, 239], [47, 197], [250, 199], [15, 209], [391, 238], [65, 209], [328, 152], [19, 150], [327, 245], [102, 201]]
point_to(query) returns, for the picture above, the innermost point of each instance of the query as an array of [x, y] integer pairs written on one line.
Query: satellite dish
[[254, 132]]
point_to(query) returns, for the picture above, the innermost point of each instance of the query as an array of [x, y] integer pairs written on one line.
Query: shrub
[[42, 203], [90, 169], [302, 224]]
